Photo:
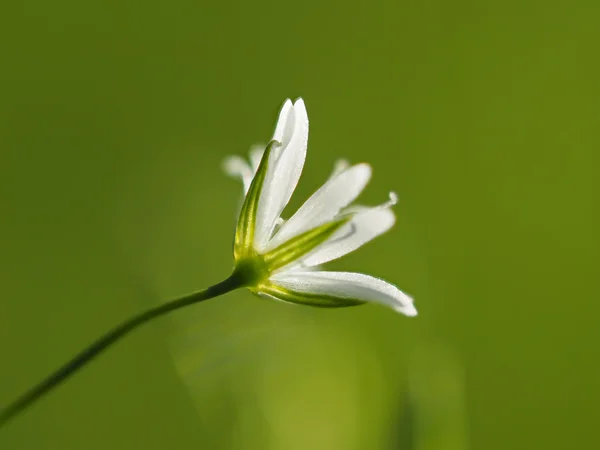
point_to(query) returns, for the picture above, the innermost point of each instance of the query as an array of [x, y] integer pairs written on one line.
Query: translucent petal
[[325, 203], [237, 167], [284, 169], [363, 227], [285, 123], [346, 286], [338, 167]]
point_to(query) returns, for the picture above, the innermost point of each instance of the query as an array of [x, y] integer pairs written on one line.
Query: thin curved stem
[[110, 338]]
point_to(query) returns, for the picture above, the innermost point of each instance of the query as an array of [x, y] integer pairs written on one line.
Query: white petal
[[363, 227], [285, 167], [347, 285], [325, 203], [237, 167], [285, 123]]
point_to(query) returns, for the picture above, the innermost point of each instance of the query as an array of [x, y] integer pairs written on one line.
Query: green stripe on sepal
[[300, 245], [302, 298], [244, 233]]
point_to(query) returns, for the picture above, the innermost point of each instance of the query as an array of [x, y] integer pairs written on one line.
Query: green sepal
[[251, 270], [300, 245], [244, 233], [302, 298]]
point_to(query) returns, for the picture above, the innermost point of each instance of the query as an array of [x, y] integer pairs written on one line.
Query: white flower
[[280, 259]]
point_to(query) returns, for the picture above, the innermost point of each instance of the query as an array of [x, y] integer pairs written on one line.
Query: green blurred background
[[483, 116]]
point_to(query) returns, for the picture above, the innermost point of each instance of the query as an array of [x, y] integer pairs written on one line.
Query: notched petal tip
[[299, 101], [284, 172], [301, 116], [285, 121]]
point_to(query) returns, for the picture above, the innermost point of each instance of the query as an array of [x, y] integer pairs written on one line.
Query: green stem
[[110, 338]]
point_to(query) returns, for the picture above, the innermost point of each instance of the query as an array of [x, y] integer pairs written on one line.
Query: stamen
[[391, 202], [355, 209]]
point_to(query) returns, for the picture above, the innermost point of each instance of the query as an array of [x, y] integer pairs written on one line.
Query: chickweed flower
[[281, 259], [273, 257]]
